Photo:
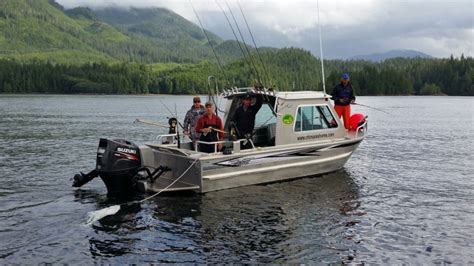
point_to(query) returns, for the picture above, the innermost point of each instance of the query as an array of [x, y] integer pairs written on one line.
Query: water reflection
[[86, 196], [280, 222]]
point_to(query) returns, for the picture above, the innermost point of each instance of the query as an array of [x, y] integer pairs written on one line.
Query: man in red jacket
[[211, 128], [343, 96]]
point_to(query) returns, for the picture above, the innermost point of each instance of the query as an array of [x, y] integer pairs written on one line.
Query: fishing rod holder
[[241, 91]]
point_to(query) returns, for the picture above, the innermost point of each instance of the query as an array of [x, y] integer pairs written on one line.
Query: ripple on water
[[405, 196]]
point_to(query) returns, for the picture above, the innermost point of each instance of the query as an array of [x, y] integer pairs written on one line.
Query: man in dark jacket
[[244, 118], [343, 96]]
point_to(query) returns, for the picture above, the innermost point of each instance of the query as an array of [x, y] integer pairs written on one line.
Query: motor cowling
[[118, 161]]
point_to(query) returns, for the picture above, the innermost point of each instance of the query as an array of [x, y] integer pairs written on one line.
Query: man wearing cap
[[244, 118], [191, 118], [343, 96], [211, 129]]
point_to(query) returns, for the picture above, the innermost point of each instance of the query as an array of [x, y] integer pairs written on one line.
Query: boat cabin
[[289, 117], [285, 118]]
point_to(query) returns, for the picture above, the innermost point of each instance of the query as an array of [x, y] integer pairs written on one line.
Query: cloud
[[439, 28]]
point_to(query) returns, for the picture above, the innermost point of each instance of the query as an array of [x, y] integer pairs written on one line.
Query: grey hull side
[[211, 173], [280, 170]]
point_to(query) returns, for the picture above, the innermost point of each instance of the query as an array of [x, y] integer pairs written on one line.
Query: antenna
[[321, 51]]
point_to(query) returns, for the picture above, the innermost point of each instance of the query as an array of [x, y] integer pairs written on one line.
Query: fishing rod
[[148, 122], [176, 131], [217, 130], [244, 43], [259, 84], [255, 44], [171, 113], [153, 123], [370, 107], [235, 35], [264, 94], [219, 64], [211, 95]]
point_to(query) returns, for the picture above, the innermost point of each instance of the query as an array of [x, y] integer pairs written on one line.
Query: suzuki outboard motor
[[117, 163]]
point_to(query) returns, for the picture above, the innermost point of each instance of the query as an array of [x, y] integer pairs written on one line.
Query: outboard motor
[[117, 163]]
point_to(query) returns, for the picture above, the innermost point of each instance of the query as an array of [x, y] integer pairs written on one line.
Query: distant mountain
[[378, 57], [158, 24], [44, 30]]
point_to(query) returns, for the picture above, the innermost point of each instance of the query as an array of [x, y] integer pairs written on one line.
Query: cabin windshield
[[265, 126], [265, 120]]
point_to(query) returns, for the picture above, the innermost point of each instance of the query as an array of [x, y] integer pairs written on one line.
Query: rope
[[170, 185]]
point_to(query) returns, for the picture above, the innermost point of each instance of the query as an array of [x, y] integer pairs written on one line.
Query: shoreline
[[157, 94]]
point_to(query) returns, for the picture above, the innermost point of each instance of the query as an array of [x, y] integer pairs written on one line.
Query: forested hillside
[[44, 30], [285, 69], [47, 49]]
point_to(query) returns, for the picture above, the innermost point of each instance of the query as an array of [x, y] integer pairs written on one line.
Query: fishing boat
[[301, 136]]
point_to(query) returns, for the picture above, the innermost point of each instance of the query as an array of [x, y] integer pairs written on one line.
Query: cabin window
[[265, 116], [265, 125], [314, 118]]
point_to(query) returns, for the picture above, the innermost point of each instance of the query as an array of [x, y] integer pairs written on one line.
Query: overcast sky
[[349, 27]]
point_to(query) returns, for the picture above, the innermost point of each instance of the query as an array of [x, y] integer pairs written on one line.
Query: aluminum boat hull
[[216, 171]]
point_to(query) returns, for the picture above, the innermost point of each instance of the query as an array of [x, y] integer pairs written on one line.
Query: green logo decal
[[287, 119]]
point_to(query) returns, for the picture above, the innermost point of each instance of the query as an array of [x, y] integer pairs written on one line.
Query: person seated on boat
[[211, 129], [244, 119], [172, 122], [343, 96], [191, 118]]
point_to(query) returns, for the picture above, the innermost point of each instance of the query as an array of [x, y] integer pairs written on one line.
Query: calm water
[[405, 196]]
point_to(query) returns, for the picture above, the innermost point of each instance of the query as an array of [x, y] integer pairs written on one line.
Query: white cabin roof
[[295, 95], [286, 95]]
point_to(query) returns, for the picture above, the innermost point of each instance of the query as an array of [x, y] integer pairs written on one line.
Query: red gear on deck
[[356, 120]]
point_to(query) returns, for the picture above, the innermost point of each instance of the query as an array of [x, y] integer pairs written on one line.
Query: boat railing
[[361, 129], [170, 138], [166, 138], [235, 144]]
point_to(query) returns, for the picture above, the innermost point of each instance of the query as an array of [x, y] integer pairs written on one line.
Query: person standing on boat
[[211, 129], [244, 119], [191, 118], [343, 96]]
